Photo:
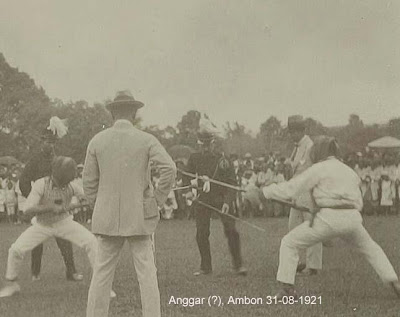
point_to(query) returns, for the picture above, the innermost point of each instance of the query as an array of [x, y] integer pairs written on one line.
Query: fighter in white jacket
[[335, 189]]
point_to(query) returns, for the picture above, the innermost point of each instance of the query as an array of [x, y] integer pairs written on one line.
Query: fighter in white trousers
[[336, 192], [313, 252], [48, 201]]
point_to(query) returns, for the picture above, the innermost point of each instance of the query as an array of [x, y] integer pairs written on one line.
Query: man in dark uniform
[[40, 166], [215, 166]]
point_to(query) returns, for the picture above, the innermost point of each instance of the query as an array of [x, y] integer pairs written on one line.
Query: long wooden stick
[[231, 216], [212, 181]]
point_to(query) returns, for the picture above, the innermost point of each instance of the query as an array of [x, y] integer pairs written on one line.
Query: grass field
[[347, 285]]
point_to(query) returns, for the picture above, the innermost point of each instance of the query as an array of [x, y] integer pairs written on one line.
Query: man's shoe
[[75, 277], [308, 272], [113, 294], [286, 292], [396, 288], [35, 278], [202, 272], [241, 271], [10, 289]]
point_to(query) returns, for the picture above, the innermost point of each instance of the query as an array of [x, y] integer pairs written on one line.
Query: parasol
[[9, 160], [386, 142]]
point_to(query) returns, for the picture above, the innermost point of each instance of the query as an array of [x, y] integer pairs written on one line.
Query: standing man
[[301, 161], [209, 164], [116, 179], [40, 166]]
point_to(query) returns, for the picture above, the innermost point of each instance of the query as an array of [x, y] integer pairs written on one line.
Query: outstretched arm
[[287, 191]]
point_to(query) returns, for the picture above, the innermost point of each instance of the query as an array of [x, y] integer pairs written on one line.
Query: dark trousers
[[203, 215], [66, 252]]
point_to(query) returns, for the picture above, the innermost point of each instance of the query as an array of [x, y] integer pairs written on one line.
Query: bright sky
[[238, 60]]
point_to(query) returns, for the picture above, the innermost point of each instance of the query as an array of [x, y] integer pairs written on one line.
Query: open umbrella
[[9, 160], [387, 142]]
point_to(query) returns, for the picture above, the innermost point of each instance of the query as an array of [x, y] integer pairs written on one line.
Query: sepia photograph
[[199, 158]]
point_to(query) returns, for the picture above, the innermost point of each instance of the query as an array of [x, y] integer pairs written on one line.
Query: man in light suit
[[116, 179], [300, 160]]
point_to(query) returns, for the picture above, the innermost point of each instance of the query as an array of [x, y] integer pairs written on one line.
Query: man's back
[[117, 178]]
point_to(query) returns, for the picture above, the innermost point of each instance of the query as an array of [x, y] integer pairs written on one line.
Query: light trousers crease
[[109, 250], [36, 234], [314, 252], [330, 223]]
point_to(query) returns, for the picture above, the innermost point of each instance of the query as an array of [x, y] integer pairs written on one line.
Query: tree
[[188, 128], [167, 136], [394, 127], [315, 127], [270, 134], [355, 122], [83, 122], [24, 111], [237, 139]]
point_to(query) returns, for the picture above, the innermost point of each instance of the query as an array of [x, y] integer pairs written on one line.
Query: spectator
[[248, 163], [387, 193], [11, 201]]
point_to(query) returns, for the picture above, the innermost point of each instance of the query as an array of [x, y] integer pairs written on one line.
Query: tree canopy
[[25, 110]]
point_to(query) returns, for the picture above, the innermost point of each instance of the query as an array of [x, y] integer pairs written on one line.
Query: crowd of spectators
[[12, 200], [380, 181], [379, 174], [251, 175]]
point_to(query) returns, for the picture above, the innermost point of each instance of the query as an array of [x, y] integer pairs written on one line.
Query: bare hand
[[225, 208]]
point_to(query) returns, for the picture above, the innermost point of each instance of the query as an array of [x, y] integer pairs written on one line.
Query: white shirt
[[333, 184], [35, 198]]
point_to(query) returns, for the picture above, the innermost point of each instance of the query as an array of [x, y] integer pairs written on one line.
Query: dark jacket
[[39, 166], [217, 167]]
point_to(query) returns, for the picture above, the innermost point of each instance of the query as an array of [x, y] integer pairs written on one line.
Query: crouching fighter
[[334, 188], [49, 201]]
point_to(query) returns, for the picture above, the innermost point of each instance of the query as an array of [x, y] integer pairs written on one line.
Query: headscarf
[[324, 147]]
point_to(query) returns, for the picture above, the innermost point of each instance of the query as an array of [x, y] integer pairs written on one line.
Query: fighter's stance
[[335, 191], [40, 166], [49, 201]]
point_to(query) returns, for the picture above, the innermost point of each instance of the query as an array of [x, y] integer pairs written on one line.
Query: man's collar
[[123, 123]]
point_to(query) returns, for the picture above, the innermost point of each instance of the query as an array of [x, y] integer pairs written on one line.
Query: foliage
[[188, 128], [347, 284], [25, 110]]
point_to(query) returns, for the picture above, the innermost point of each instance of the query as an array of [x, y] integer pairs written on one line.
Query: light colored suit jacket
[[300, 162], [116, 178]]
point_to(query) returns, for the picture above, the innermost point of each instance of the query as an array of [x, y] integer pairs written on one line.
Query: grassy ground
[[348, 286]]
